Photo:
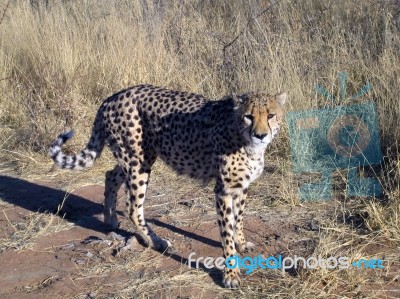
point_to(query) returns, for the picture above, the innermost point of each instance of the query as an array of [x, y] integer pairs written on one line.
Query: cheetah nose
[[260, 136]]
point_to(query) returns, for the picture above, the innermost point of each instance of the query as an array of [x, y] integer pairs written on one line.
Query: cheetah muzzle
[[223, 140]]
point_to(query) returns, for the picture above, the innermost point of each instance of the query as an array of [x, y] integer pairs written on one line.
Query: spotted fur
[[223, 140]]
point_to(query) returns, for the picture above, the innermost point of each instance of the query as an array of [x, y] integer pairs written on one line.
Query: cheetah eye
[[270, 116], [248, 117]]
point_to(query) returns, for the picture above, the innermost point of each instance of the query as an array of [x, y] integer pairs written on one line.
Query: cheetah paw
[[161, 245], [232, 280], [111, 222], [246, 247]]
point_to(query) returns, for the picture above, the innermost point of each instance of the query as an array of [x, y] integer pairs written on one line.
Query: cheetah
[[205, 139]]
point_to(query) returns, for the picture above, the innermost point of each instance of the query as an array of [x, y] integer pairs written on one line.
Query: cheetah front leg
[[226, 224], [114, 180], [136, 192], [238, 207]]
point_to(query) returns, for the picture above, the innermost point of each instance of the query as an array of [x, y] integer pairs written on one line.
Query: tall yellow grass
[[59, 60]]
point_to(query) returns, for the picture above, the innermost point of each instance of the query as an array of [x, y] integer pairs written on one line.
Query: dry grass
[[385, 219], [58, 61]]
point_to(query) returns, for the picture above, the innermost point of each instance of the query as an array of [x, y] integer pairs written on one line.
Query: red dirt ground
[[63, 265]]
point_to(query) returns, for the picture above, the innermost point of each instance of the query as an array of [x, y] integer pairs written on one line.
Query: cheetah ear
[[238, 100], [281, 98], [235, 98]]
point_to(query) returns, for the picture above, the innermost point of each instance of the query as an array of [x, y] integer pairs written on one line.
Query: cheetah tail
[[79, 161]]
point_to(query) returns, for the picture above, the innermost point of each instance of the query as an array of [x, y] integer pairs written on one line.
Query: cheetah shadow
[[82, 212], [39, 198]]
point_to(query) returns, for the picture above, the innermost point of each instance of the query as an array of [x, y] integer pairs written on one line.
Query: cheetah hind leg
[[136, 195], [113, 182]]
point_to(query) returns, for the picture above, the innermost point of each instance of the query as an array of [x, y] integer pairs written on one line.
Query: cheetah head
[[260, 116]]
